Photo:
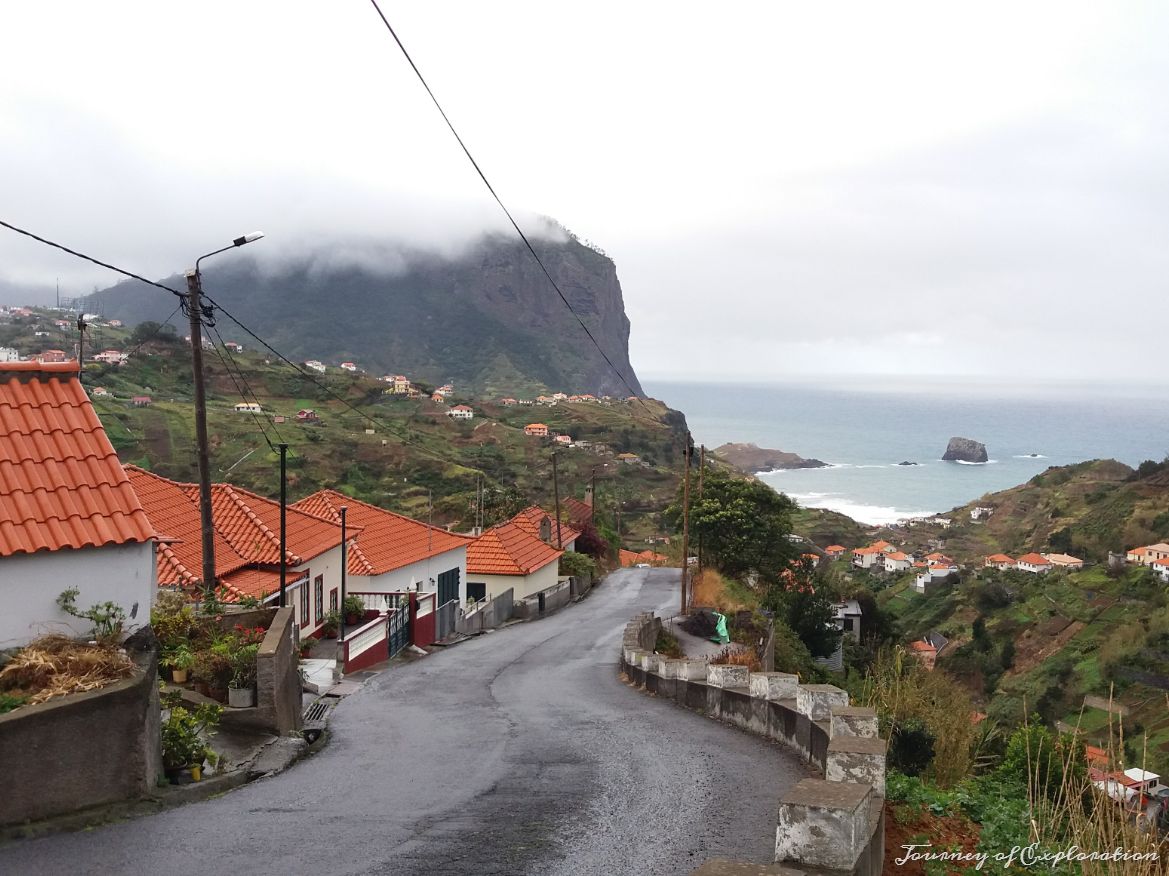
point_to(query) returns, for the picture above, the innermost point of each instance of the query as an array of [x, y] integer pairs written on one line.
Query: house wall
[[405, 578], [327, 564], [523, 585], [31, 583]]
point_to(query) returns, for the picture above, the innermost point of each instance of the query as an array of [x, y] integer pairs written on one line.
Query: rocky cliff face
[[965, 450], [487, 321]]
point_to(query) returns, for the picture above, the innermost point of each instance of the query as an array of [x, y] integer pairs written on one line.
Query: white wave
[[876, 515], [965, 462], [1029, 456]]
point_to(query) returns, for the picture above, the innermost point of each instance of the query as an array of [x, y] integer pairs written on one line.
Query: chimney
[[546, 529], [588, 500]]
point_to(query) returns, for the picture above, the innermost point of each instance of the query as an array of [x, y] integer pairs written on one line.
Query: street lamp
[[195, 311]]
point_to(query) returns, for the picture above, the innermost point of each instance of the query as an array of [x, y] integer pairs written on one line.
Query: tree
[[502, 503], [744, 525], [592, 543], [151, 331], [810, 615]]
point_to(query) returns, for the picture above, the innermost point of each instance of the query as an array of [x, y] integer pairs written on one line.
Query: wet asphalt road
[[515, 752]]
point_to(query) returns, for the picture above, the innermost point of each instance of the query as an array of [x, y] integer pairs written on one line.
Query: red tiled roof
[[507, 549], [896, 555], [999, 558], [61, 485], [258, 583], [922, 647], [529, 521], [247, 531], [579, 513], [388, 540], [834, 548], [1034, 560]]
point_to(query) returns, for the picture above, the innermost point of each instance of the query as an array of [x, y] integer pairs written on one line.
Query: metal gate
[[399, 629]]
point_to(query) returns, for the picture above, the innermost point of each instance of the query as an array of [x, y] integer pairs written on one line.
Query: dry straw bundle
[[55, 665]]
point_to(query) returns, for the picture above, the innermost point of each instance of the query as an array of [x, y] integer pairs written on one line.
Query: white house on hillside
[[68, 515], [1034, 563]]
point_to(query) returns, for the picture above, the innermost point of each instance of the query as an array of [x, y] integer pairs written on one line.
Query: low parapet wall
[[86, 749], [834, 823]]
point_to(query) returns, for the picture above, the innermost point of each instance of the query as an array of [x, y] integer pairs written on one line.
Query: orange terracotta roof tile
[[61, 485], [922, 647], [999, 558], [530, 518], [835, 548], [1034, 560], [507, 549], [579, 513], [387, 540], [257, 583], [246, 532]]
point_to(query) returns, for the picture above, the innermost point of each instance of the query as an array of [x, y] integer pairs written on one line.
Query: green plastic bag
[[720, 629]]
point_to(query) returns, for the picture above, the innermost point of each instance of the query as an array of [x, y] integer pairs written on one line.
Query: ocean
[[863, 428]]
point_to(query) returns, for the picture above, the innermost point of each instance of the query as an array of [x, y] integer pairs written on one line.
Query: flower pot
[[178, 676], [219, 694], [352, 620], [241, 697]]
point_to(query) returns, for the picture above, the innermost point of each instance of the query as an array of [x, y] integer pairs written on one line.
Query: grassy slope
[[415, 450]]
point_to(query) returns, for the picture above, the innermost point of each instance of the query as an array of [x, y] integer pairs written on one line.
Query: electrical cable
[[239, 389], [499, 201]]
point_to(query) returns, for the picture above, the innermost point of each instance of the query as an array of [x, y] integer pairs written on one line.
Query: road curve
[[516, 752]]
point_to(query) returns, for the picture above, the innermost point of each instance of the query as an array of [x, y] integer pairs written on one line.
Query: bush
[[576, 564]]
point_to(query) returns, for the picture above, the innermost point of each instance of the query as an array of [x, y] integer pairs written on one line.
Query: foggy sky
[[787, 189]]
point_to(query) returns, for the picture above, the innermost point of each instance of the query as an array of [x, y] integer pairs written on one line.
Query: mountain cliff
[[486, 320]]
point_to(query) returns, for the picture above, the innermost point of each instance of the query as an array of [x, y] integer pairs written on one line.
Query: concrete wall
[[490, 615], [278, 686], [520, 585], [408, 577], [556, 596], [834, 823], [86, 749], [31, 583]]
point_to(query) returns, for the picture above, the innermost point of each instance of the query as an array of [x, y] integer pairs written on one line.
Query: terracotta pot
[[179, 676]]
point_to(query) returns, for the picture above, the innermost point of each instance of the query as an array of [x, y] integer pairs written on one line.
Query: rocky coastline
[[752, 458]]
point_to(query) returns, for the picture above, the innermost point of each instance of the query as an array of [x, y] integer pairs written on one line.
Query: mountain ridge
[[486, 319]]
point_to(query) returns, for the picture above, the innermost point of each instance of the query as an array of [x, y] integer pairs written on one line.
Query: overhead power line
[[88, 258], [499, 201]]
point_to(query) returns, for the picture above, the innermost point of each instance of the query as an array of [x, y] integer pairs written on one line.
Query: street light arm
[[239, 241]]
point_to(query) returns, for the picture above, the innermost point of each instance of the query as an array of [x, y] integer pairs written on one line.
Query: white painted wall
[[406, 577], [525, 585], [31, 583]]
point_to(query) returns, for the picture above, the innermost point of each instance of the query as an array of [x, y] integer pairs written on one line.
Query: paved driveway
[[515, 752]]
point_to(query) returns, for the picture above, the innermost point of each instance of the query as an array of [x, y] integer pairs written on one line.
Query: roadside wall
[[491, 614], [83, 750], [834, 823], [278, 687]]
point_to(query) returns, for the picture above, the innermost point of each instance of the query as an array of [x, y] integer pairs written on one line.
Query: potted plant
[[179, 661], [221, 669], [241, 691], [330, 625], [183, 744], [353, 609], [306, 647]]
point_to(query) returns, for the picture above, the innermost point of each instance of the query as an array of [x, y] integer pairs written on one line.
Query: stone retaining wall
[[834, 823]]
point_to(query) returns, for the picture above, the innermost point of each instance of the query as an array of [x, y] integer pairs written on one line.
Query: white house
[[461, 412], [868, 557], [9, 354], [393, 553], [897, 562], [247, 546], [248, 408], [1065, 562], [348, 366], [68, 515], [111, 357], [508, 557], [980, 513], [1146, 556], [315, 365], [998, 561], [1161, 567], [1034, 563]]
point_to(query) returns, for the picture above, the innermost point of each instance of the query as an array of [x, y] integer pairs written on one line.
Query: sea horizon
[[863, 429]]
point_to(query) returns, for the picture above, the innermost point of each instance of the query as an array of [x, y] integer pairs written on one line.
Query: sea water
[[864, 428]]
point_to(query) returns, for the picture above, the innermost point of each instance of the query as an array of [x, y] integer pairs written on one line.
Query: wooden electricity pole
[[701, 471], [685, 520], [556, 497]]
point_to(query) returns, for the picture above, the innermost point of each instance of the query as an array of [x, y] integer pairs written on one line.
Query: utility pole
[[194, 306], [283, 525], [685, 521], [344, 570], [80, 338], [701, 471], [556, 497], [195, 311]]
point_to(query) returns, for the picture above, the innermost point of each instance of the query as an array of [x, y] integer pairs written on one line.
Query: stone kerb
[[858, 759], [854, 721], [727, 675], [650, 662], [692, 670], [670, 668], [823, 824], [818, 700], [774, 685]]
